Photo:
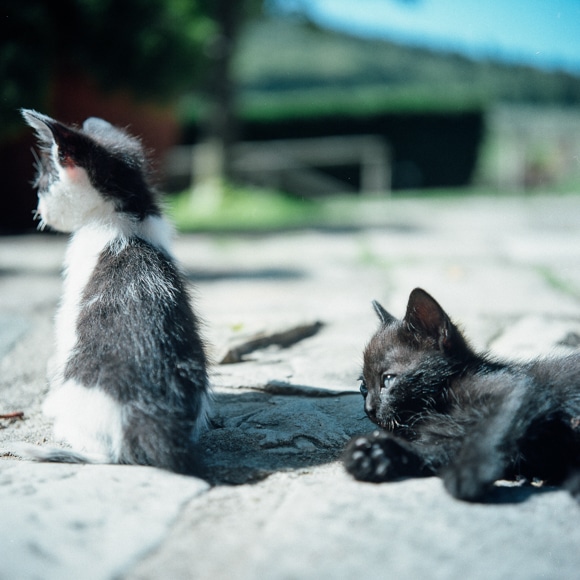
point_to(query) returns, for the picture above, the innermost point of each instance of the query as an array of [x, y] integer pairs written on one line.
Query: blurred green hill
[[293, 68]]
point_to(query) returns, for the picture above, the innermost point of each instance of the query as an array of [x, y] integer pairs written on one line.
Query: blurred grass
[[244, 209], [316, 103], [365, 101], [247, 209]]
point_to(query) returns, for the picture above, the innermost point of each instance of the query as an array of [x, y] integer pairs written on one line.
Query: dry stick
[[13, 415], [284, 339]]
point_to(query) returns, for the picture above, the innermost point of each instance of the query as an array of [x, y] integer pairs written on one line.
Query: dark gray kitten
[[446, 410], [128, 383]]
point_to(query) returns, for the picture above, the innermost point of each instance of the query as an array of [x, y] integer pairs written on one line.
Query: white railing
[[294, 165]]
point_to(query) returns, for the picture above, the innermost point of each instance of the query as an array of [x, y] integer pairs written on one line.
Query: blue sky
[[542, 33]]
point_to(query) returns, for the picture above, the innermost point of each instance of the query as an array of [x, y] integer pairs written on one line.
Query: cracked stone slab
[[319, 523], [92, 522], [307, 518]]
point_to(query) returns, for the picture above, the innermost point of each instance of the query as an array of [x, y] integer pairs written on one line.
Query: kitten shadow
[[255, 434], [515, 494]]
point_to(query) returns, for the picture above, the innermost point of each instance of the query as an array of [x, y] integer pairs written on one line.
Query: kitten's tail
[[52, 454]]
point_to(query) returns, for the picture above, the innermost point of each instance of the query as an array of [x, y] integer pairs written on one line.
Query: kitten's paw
[[365, 459], [377, 457]]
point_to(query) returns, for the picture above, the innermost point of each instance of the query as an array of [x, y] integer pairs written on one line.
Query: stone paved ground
[[278, 504]]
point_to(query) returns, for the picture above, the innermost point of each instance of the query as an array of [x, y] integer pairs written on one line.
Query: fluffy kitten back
[[129, 380]]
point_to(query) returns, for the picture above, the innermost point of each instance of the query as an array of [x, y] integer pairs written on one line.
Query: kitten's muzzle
[[384, 418]]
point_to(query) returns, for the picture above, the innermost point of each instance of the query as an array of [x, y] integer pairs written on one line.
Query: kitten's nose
[[370, 411]]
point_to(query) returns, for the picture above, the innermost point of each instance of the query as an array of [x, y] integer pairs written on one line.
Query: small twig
[[13, 415], [283, 339]]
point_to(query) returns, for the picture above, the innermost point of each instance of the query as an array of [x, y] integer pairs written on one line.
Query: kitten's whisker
[[41, 223]]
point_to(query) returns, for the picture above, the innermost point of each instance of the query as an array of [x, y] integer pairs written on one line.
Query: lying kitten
[[129, 381], [449, 411]]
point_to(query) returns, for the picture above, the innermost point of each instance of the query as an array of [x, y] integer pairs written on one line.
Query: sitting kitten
[[446, 410], [129, 381]]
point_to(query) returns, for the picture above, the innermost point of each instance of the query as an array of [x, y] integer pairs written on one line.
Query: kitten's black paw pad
[[372, 457]]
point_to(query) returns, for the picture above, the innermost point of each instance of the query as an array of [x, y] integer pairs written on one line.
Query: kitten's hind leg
[[378, 457], [470, 480], [572, 482], [478, 464]]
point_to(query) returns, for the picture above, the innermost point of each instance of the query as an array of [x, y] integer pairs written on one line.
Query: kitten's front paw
[[365, 459], [377, 457]]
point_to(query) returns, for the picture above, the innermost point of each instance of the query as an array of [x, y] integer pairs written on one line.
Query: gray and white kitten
[[129, 382]]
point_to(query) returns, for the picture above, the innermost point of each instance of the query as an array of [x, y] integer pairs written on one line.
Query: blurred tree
[[154, 48], [221, 125], [230, 16], [133, 54]]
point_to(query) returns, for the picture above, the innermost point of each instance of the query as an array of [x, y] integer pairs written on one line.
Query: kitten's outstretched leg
[[572, 484], [472, 473], [492, 439], [378, 457]]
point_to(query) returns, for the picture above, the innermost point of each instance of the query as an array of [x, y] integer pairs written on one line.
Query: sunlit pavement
[[278, 504]]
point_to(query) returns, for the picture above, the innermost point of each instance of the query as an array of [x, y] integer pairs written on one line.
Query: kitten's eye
[[388, 380], [363, 388]]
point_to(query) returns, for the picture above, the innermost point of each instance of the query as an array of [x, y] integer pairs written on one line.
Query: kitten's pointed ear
[[42, 124], [48, 130], [103, 132], [96, 125], [383, 315], [113, 137], [426, 317]]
